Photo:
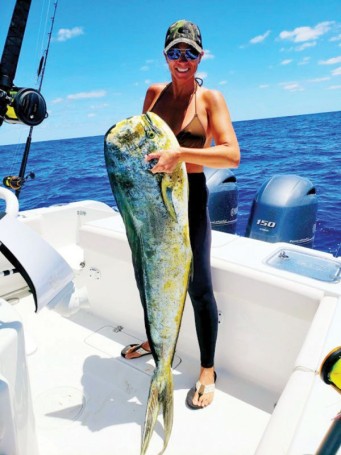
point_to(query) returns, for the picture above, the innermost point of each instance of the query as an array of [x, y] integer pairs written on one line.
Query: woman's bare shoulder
[[152, 94], [211, 95], [156, 88]]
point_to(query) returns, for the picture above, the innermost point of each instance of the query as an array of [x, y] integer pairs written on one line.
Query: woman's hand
[[167, 161]]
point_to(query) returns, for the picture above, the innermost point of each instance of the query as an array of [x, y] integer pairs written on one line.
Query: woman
[[197, 116]]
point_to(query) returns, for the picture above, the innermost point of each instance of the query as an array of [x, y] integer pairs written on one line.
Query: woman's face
[[183, 68]]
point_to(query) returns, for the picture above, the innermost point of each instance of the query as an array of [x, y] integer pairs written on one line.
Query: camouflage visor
[[183, 32]]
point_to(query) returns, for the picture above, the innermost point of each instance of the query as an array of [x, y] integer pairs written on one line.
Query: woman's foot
[[202, 394], [134, 351]]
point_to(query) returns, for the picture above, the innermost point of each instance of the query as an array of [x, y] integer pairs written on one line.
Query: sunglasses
[[175, 54]]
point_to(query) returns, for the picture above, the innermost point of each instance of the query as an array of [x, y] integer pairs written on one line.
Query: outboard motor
[[284, 210], [223, 199]]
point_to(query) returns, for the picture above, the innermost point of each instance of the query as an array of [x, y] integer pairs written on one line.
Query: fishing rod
[[22, 105], [10, 57], [41, 73]]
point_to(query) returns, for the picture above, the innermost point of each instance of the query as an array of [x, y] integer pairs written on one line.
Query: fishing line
[[16, 154], [42, 66], [42, 32]]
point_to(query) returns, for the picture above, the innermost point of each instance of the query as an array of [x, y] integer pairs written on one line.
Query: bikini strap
[[199, 83]]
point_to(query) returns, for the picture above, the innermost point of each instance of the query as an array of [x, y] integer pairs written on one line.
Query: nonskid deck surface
[[88, 400]]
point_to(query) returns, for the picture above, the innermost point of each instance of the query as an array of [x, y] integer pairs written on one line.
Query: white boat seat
[[42, 267]]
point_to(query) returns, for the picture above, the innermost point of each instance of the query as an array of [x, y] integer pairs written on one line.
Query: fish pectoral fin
[[167, 192]]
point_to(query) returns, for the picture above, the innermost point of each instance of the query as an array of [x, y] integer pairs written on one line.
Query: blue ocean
[[306, 145]]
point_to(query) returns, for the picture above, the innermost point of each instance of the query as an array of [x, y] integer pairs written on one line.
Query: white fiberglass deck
[[88, 400], [275, 329]]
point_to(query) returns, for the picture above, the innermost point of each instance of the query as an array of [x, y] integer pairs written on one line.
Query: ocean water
[[306, 145]]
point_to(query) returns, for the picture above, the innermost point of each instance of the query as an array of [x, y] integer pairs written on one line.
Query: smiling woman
[[197, 116]]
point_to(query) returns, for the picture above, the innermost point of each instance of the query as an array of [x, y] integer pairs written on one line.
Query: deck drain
[[59, 407]]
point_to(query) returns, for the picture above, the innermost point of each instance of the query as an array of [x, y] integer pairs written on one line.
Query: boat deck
[[275, 328], [88, 400]]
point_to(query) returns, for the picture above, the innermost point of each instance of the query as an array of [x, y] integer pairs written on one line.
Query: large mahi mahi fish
[[154, 211]]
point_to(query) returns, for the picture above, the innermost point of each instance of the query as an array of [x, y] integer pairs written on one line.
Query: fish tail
[[168, 410], [160, 395]]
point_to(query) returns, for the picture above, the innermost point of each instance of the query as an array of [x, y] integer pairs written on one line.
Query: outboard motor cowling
[[223, 199], [284, 210]]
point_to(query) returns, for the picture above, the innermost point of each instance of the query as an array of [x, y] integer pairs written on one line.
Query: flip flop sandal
[[134, 348], [201, 389]]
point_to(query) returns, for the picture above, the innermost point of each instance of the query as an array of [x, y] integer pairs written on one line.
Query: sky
[[269, 58]]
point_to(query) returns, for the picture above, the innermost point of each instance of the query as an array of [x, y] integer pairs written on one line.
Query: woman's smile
[[182, 70]]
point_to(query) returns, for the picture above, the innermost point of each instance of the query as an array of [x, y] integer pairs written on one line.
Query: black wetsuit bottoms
[[200, 287]]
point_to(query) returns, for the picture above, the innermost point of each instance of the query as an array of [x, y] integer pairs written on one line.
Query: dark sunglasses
[[175, 54]]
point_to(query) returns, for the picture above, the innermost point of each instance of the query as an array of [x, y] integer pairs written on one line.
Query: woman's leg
[[200, 286]]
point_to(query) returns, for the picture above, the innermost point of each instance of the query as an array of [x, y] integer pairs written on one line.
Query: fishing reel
[[22, 105], [16, 183]]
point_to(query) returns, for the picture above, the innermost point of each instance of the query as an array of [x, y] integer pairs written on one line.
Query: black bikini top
[[193, 135]]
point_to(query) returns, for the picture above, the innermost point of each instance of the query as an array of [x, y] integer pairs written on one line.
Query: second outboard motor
[[223, 199], [284, 210]]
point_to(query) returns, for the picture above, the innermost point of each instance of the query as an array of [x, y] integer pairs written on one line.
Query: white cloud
[[144, 68], [222, 82], [207, 55], [305, 46], [299, 48], [330, 61], [302, 34], [91, 114], [262, 86], [65, 34], [86, 95], [260, 38], [337, 71], [286, 62], [292, 86], [334, 87]]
